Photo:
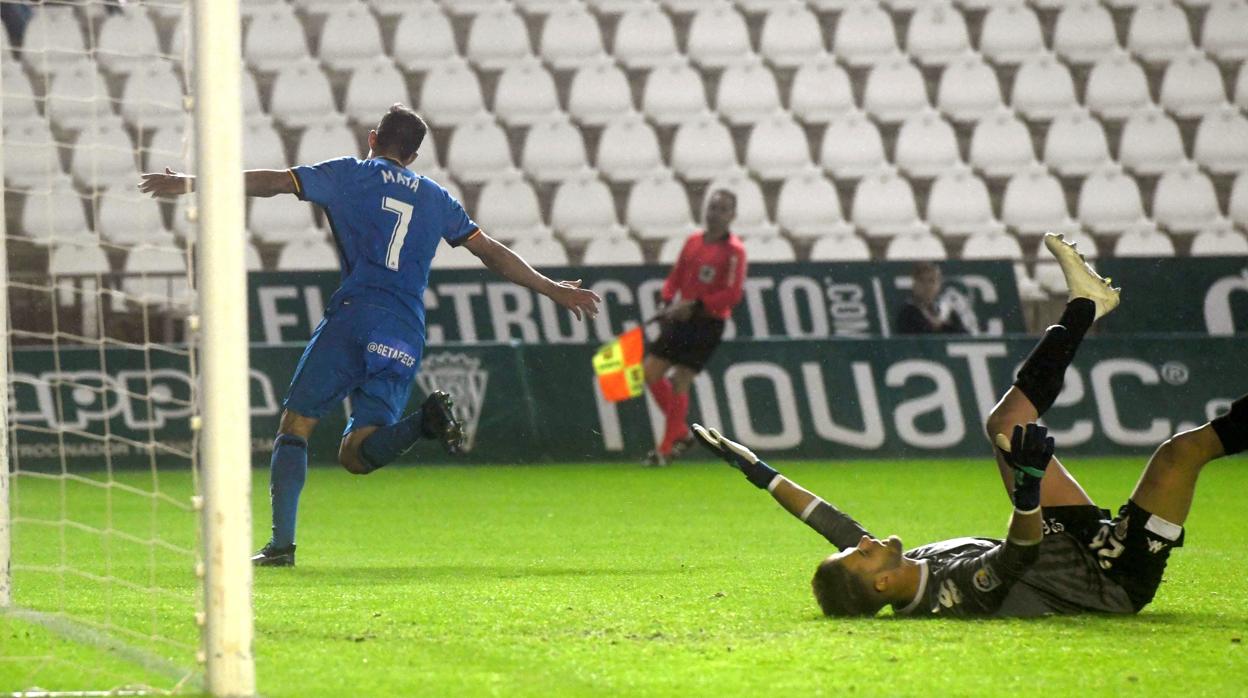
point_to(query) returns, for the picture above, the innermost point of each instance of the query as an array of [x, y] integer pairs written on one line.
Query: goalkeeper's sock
[[676, 428], [1232, 427], [288, 470], [663, 394], [1043, 372], [386, 444]]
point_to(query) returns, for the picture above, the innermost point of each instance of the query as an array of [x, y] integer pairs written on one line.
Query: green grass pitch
[[618, 580]]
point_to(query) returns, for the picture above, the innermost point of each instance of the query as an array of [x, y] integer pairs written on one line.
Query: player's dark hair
[[725, 192], [401, 132], [921, 268], [840, 593]]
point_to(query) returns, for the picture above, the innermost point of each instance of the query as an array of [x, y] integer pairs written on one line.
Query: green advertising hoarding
[[785, 301], [1204, 295], [869, 398]]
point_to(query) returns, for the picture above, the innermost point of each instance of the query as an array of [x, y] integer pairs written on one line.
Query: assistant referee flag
[[618, 366]]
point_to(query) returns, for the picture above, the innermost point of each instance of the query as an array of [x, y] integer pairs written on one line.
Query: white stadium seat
[[1238, 209], [584, 209], [169, 146], [669, 251], [1010, 33], [371, 89], [423, 38], [103, 155], [302, 95], [1116, 87], [262, 147], [332, 140], [309, 254], [466, 8], [31, 155], [1151, 142], [451, 93], [151, 99], [1219, 241], [1076, 144], [894, 90], [968, 89], [497, 37], [747, 92], [553, 150], [884, 206], [673, 93], [126, 41], [1222, 141], [1109, 201], [54, 214], [1185, 201], [808, 206], [1033, 203], [478, 150], [1158, 32], [1043, 88], [864, 35], [991, 246], [718, 36], [52, 38], [1084, 32], [790, 35], [820, 91], [1223, 34], [78, 257], [507, 207], [274, 39], [280, 218], [156, 275], [914, 247], [751, 219], [525, 93], [571, 38], [1001, 145], [321, 7], [852, 146], [644, 37], [658, 206], [777, 148], [546, 252], [599, 93], [926, 145], [1144, 241], [958, 205], [77, 96], [1192, 86], [842, 247], [628, 148], [937, 33], [19, 96], [612, 251], [772, 248], [350, 37], [125, 217]]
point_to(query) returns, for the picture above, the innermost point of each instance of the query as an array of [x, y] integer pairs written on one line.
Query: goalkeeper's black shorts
[[689, 342]]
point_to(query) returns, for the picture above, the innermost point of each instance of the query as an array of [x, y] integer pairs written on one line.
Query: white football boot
[[1081, 279]]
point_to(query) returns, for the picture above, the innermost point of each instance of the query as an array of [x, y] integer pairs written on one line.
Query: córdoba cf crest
[[462, 377]]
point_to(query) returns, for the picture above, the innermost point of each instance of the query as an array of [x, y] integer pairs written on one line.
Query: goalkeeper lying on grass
[[1062, 553]]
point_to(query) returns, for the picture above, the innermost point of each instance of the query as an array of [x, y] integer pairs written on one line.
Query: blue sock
[[387, 443], [287, 472]]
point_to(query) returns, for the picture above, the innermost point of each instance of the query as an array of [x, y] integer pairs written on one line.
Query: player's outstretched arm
[[499, 259], [263, 183], [828, 521]]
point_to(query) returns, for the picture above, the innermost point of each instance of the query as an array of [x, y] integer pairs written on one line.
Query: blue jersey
[[387, 222]]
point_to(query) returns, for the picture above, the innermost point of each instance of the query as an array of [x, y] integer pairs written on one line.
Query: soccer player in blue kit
[[387, 222]]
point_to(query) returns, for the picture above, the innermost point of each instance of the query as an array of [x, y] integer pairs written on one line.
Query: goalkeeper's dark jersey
[[988, 577]]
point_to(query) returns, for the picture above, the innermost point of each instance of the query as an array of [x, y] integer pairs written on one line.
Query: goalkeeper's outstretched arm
[[838, 527]]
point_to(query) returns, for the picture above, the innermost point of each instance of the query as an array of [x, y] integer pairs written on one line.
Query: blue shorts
[[361, 351]]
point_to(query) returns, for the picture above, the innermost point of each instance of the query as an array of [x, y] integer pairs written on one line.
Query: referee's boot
[[271, 556], [1081, 279], [437, 422]]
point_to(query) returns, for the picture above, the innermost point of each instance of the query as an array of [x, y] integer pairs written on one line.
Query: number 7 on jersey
[[404, 211]]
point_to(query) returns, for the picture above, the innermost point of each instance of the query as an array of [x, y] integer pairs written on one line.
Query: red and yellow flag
[[618, 366]]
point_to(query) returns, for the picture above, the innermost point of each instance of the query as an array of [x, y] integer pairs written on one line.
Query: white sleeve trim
[[810, 508]]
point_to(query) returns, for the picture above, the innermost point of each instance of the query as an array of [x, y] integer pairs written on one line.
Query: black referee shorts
[[1131, 549], [689, 342]]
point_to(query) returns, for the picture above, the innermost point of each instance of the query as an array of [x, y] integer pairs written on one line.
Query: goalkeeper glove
[[756, 471], [1028, 453]]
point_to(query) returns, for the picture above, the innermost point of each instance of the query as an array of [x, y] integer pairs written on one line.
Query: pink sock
[[676, 427]]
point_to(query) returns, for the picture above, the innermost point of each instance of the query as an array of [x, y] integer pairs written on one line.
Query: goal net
[[104, 480]]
